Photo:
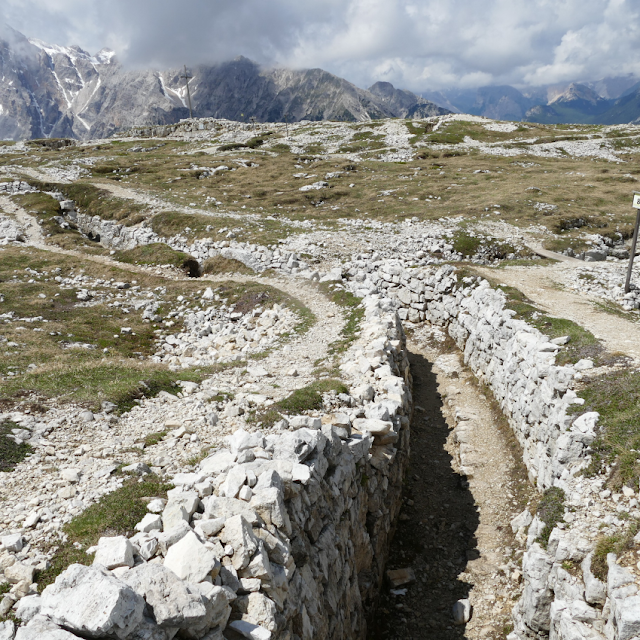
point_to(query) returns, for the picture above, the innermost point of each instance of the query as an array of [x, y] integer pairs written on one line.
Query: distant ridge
[[53, 91], [606, 101]]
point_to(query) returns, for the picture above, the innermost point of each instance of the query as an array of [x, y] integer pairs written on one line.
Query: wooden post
[[187, 77], [636, 205]]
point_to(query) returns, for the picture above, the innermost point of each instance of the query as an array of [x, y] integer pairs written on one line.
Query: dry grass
[[219, 264], [594, 193]]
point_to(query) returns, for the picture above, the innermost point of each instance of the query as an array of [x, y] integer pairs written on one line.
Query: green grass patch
[[354, 312], [582, 344], [152, 439], [158, 253], [10, 452], [551, 511], [465, 244], [46, 209], [115, 514], [492, 248], [616, 397], [618, 543], [90, 383], [307, 398]]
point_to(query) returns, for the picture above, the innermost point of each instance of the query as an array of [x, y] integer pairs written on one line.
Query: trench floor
[[454, 530]]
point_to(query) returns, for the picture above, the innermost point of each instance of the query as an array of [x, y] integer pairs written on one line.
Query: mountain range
[[606, 101], [52, 91]]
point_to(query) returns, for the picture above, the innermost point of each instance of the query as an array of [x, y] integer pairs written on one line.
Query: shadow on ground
[[435, 535]]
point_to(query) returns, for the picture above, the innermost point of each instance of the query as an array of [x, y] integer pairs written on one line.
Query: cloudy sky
[[415, 44]]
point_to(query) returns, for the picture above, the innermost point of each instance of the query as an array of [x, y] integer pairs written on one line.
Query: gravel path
[[543, 286], [29, 225]]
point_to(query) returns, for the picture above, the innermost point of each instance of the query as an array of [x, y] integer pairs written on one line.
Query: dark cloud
[[419, 44]]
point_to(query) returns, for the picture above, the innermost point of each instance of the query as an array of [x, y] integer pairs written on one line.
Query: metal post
[[187, 77], [627, 284]]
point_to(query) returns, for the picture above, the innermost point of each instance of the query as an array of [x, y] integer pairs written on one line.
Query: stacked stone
[[285, 532], [518, 363]]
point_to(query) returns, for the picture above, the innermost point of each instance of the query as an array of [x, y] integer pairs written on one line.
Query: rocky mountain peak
[[56, 91], [576, 91]]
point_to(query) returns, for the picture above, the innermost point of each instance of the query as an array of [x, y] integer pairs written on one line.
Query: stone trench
[[342, 525]]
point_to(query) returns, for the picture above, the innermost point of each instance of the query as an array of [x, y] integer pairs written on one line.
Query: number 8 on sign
[[636, 201]]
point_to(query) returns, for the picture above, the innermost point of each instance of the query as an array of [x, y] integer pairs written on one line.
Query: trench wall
[[282, 534]]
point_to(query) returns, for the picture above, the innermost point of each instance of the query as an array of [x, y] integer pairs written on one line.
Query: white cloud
[[416, 44]]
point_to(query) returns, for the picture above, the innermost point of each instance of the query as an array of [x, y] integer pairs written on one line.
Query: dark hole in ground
[[435, 535]]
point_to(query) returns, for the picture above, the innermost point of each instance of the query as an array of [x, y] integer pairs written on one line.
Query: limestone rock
[[114, 552], [190, 560], [238, 533], [171, 600], [91, 602]]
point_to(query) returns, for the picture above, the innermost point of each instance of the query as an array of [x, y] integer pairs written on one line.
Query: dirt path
[[541, 285], [299, 353], [302, 351], [28, 223], [463, 488]]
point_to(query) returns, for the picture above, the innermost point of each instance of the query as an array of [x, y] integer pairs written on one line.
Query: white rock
[[28, 607], [70, 475], [373, 426], [145, 545], [91, 602], [114, 552], [249, 630], [172, 602], [522, 520], [151, 522], [7, 630], [210, 526], [42, 629], [242, 440], [173, 515], [218, 463], [13, 542], [156, 505], [235, 479], [32, 519], [259, 608], [239, 534], [190, 560], [583, 365], [461, 612]]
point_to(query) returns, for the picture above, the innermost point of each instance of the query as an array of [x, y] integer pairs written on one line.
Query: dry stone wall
[[284, 534], [518, 363], [323, 563]]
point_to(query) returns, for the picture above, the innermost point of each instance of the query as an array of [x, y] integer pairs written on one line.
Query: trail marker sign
[[635, 205]]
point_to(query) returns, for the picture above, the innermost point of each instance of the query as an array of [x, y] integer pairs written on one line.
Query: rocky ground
[[232, 363]]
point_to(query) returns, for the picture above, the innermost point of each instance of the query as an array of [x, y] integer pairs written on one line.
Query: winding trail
[[543, 285]]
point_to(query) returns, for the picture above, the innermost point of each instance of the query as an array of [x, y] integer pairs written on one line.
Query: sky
[[420, 45]]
